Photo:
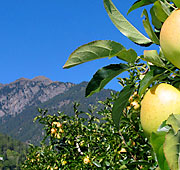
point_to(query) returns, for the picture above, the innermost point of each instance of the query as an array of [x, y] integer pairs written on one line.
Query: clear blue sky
[[37, 36]]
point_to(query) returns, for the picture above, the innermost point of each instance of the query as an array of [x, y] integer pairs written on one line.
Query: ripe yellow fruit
[[86, 160], [64, 163], [158, 103], [123, 150], [58, 124], [53, 130], [170, 38], [135, 104]]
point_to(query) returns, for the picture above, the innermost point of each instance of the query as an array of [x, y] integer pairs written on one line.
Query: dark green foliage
[[12, 153]]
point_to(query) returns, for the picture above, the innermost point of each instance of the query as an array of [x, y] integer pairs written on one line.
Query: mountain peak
[[38, 78], [19, 80], [42, 78]]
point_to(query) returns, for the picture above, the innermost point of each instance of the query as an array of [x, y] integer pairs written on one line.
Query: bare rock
[[18, 95]]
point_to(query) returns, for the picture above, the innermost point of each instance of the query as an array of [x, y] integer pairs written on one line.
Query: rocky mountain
[[16, 96], [20, 100]]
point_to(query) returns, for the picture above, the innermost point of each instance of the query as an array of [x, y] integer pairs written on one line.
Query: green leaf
[[148, 79], [174, 121], [177, 3], [172, 149], [121, 102], [92, 51], [161, 11], [127, 55], [107, 163], [166, 143], [124, 26], [157, 141], [140, 3], [155, 21], [97, 164], [103, 76], [153, 57], [149, 29], [145, 82]]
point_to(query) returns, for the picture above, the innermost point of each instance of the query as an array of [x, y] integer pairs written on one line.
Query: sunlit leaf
[[120, 103], [149, 29], [92, 51], [127, 55], [103, 76], [172, 149], [124, 26], [140, 3], [97, 164], [153, 57]]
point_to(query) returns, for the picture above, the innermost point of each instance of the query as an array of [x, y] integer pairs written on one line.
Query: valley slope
[[20, 100]]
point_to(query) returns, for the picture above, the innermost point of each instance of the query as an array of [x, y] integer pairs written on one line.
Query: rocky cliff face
[[16, 96]]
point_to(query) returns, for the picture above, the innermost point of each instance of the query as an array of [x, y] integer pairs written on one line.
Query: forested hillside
[[12, 153]]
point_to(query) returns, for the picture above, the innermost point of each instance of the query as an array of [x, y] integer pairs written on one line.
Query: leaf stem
[[172, 71]]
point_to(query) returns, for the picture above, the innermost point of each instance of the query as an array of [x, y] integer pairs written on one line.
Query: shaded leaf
[[155, 21], [139, 162], [92, 51], [161, 11], [149, 29], [121, 102], [124, 26], [140, 3], [177, 3], [103, 76], [172, 149], [148, 79], [176, 82], [127, 55], [153, 57]]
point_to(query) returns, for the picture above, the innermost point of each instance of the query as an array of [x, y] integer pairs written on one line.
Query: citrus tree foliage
[[144, 70], [91, 141]]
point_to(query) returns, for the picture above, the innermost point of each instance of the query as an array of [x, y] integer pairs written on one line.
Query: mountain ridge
[[54, 96], [15, 96]]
